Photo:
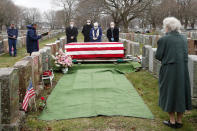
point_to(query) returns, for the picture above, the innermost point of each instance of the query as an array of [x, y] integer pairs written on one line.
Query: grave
[[25, 70]]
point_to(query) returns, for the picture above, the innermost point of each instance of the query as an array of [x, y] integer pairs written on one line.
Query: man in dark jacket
[[71, 33], [113, 33], [86, 31], [32, 39], [12, 39]]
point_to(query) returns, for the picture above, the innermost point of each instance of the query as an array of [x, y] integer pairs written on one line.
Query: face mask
[[95, 27], [112, 26], [88, 23], [71, 25]]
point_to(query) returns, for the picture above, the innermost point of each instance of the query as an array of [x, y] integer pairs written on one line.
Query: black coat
[[71, 32], [115, 34], [32, 43], [86, 32]]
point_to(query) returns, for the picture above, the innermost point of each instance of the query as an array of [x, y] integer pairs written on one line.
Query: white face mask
[[71, 25], [95, 27], [88, 23], [112, 26]]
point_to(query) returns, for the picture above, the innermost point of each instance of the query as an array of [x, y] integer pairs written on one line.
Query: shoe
[[168, 123], [179, 125]]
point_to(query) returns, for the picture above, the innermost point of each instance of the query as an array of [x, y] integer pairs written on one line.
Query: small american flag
[[29, 93]]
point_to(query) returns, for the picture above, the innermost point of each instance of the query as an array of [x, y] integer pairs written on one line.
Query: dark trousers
[[12, 44]]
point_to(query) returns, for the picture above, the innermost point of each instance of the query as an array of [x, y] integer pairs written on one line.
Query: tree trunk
[[126, 26]]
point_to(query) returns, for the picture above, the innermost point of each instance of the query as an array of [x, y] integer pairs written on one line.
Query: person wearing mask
[[12, 39], [32, 40], [86, 31], [96, 33], [113, 33], [71, 33]]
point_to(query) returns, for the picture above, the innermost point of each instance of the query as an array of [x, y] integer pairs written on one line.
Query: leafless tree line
[[125, 13]]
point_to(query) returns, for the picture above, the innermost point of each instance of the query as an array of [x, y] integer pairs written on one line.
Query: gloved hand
[[112, 39]]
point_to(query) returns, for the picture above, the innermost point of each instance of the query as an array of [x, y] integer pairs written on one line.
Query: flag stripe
[[98, 56], [95, 43], [95, 49], [91, 46], [96, 52]]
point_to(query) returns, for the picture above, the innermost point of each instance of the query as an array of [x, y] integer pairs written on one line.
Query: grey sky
[[43, 5]]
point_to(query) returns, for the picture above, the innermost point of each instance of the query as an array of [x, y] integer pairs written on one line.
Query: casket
[[95, 50]]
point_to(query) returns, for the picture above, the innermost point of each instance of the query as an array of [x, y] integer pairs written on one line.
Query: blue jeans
[[12, 43]]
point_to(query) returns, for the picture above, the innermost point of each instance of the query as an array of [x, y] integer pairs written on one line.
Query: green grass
[[7, 61], [147, 87]]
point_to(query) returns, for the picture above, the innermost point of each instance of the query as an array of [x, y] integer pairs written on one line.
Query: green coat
[[174, 83]]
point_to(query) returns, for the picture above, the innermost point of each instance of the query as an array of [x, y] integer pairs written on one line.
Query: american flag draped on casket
[[95, 50]]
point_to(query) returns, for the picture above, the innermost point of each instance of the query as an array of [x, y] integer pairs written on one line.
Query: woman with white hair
[[96, 33], [174, 84]]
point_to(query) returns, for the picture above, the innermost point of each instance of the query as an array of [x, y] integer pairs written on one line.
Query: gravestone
[[25, 73], [9, 83], [49, 54], [145, 56], [1, 47], [135, 48], [37, 67], [192, 65], [44, 55], [5, 45], [127, 45], [19, 43], [152, 52]]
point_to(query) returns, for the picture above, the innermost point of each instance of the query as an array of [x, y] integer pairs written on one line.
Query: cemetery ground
[[145, 84]]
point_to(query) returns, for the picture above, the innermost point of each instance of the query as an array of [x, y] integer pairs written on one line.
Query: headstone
[[145, 56], [25, 73], [152, 52], [19, 43], [127, 45], [37, 66], [49, 54], [5, 45], [192, 65], [9, 83], [135, 48], [44, 55], [1, 47]]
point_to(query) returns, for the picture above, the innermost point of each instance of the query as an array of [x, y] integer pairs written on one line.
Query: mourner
[[96, 33], [174, 83], [12, 39], [32, 39], [86, 31], [71, 33], [113, 33]]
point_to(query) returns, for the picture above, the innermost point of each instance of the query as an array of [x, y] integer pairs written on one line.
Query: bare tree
[[8, 12], [88, 9], [31, 15], [50, 18], [69, 8], [125, 10]]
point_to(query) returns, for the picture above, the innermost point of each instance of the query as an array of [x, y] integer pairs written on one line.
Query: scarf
[[97, 33]]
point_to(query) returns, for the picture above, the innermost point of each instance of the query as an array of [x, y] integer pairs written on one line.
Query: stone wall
[[14, 83], [151, 64]]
